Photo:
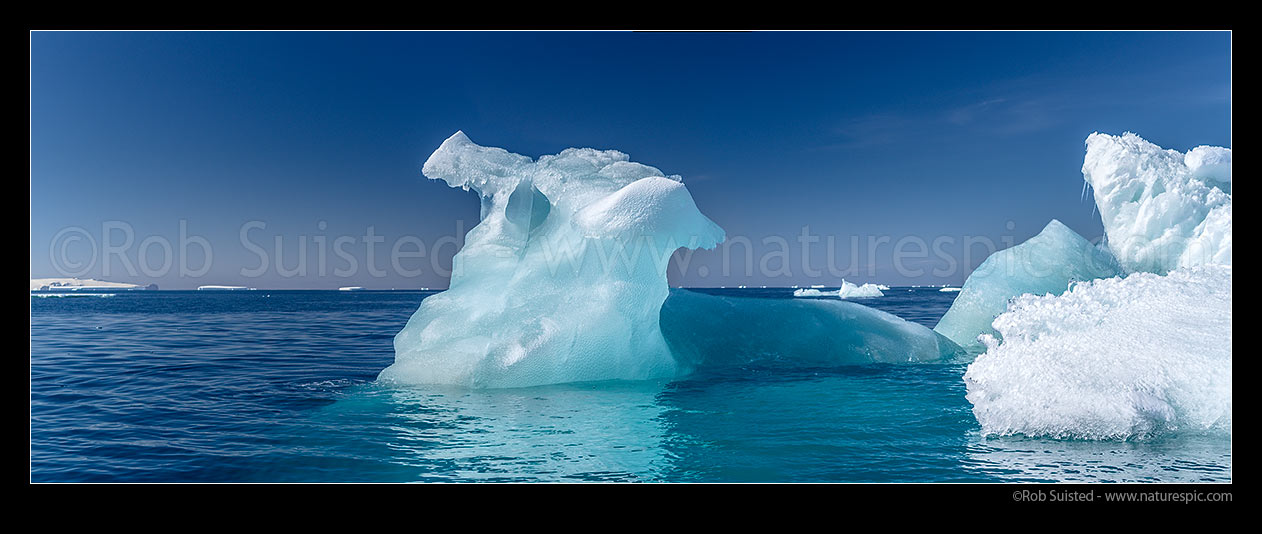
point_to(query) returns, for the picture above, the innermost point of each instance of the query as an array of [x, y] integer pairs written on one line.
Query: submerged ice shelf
[[564, 280], [707, 331]]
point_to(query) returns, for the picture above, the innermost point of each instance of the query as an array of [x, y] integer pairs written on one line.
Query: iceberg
[[564, 277], [1161, 209], [564, 280], [1117, 358], [847, 290], [1134, 356], [1044, 264], [86, 285], [853, 291], [813, 293]]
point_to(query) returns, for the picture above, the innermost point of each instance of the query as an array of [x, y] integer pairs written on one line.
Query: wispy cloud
[[989, 116], [872, 130], [969, 113]]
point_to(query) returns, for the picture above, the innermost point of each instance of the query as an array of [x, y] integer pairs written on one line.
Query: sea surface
[[279, 386]]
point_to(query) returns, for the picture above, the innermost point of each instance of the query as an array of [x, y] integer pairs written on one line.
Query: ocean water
[[278, 386]]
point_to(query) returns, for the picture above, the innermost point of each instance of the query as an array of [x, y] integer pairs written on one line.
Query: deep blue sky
[[865, 134]]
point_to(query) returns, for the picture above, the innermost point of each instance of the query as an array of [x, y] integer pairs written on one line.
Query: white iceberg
[[813, 293], [853, 291], [1111, 359], [1133, 357], [86, 285], [1044, 264], [1161, 209], [847, 290]]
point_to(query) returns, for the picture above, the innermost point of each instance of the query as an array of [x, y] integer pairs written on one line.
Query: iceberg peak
[[1161, 209]]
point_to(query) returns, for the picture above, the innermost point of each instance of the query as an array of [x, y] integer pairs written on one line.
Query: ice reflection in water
[[607, 431]]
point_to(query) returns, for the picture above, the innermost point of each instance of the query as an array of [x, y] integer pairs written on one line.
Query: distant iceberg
[[847, 290], [852, 291], [813, 293], [224, 288], [86, 285]]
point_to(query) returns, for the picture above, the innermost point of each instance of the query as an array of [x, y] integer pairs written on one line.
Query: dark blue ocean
[[278, 386]]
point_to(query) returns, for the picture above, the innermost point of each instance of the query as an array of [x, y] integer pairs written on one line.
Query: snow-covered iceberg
[[85, 285], [847, 290], [811, 292], [1134, 356], [1044, 264], [564, 277], [1111, 359], [1161, 209]]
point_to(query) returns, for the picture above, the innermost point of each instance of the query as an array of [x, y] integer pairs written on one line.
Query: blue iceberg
[[564, 280]]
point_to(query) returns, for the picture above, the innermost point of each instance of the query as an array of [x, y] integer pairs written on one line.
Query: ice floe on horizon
[[847, 290]]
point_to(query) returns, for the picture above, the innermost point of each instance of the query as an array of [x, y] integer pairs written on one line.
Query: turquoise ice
[[1045, 264], [564, 280]]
